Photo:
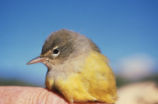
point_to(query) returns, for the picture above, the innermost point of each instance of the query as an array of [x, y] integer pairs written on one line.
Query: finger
[[28, 95]]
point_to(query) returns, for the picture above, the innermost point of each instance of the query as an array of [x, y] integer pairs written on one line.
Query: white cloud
[[136, 66]]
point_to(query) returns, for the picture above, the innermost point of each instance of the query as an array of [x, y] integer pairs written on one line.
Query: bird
[[76, 68]]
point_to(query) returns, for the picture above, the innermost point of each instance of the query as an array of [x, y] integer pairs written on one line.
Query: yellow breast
[[95, 82]]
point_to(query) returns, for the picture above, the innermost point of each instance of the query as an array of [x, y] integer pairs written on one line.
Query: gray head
[[62, 45]]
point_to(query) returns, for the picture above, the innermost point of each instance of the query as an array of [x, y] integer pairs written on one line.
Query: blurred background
[[126, 32]]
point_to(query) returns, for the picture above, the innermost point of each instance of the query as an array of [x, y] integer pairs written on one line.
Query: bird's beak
[[37, 60]]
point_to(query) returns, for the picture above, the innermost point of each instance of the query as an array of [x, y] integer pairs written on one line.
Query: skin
[[30, 95]]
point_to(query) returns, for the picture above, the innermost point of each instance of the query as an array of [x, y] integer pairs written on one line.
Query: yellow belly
[[95, 82]]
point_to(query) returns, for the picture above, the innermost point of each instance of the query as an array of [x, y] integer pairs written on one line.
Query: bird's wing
[[98, 78]]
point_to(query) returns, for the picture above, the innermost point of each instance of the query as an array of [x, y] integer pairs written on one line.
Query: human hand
[[30, 95]]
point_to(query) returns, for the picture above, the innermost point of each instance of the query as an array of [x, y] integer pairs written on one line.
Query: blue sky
[[119, 27]]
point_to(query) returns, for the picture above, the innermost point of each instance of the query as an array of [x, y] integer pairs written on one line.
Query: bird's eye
[[56, 52]]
